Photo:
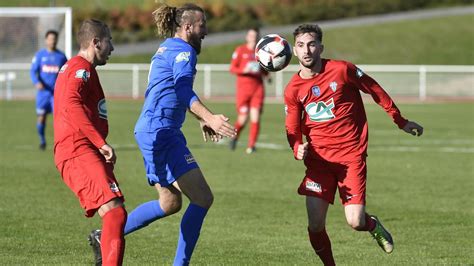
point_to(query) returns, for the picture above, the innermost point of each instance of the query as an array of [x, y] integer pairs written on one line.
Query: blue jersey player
[[170, 166], [44, 71]]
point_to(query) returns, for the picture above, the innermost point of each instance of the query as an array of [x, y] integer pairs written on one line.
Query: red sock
[[322, 245], [112, 241], [238, 128], [369, 223], [254, 129]]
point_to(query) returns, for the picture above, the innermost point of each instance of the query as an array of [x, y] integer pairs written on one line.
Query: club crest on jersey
[[102, 108], [316, 91], [359, 73], [333, 86], [320, 111], [83, 74], [313, 186], [183, 56]]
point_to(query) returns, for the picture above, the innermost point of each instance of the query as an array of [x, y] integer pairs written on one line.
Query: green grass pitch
[[421, 188]]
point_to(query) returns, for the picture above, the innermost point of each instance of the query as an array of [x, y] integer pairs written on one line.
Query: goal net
[[22, 31]]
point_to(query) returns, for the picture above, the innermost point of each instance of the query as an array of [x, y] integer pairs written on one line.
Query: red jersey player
[[323, 103], [250, 89], [81, 154]]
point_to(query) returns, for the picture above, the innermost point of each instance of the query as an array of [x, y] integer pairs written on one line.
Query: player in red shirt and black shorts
[[323, 103], [81, 153], [250, 88]]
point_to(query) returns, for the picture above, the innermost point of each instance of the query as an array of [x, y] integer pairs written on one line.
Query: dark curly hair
[[309, 28]]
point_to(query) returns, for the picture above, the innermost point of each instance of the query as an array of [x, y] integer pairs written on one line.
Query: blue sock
[[189, 233], [40, 128], [143, 215]]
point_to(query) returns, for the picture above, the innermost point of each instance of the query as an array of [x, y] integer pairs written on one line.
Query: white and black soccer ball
[[273, 52]]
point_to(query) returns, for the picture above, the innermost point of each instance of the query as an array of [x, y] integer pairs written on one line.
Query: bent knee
[[171, 205], [356, 224], [205, 200]]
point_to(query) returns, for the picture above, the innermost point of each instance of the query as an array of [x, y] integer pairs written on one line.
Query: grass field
[[427, 41], [419, 187]]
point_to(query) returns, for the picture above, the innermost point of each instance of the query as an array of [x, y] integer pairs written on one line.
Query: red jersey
[[246, 67], [80, 113], [329, 111]]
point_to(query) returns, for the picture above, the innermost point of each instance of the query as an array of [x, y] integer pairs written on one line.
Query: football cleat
[[233, 144], [382, 236], [42, 146], [94, 242], [250, 150]]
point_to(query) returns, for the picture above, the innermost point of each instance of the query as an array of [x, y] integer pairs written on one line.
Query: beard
[[195, 42]]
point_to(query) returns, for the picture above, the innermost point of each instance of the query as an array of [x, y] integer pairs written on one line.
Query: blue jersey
[[45, 67], [170, 87]]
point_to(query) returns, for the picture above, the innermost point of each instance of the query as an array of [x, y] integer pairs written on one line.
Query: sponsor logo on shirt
[[83, 74], [333, 86], [183, 56], [189, 158], [49, 69], [320, 111], [359, 73], [313, 186], [316, 91], [113, 187], [102, 108]]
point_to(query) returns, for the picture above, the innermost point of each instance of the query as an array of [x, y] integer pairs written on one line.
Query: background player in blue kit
[[44, 70], [170, 166]]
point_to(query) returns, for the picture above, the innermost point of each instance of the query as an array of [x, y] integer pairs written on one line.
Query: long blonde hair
[[168, 19]]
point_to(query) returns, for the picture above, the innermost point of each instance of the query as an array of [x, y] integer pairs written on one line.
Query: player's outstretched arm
[[413, 128], [217, 122]]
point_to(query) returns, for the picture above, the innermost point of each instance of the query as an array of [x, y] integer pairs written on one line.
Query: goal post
[[23, 29]]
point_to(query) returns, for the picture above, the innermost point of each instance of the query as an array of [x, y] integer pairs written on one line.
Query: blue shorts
[[165, 155], [44, 102]]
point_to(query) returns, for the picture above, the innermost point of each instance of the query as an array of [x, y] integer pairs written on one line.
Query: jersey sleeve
[[235, 62], [368, 85], [77, 89], [184, 69], [293, 110], [35, 69]]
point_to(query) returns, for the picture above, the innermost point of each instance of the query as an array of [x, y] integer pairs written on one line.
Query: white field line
[[275, 146]]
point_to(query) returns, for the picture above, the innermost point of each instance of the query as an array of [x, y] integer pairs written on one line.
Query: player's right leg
[[194, 186], [93, 182], [317, 209], [42, 109]]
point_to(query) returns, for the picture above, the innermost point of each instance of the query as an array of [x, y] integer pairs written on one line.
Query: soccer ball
[[273, 52]]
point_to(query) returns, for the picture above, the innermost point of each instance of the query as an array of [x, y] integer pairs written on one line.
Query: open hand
[[220, 125], [209, 133]]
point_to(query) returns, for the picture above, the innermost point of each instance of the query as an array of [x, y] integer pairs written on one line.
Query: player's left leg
[[194, 186], [352, 190], [254, 129], [44, 103], [256, 107]]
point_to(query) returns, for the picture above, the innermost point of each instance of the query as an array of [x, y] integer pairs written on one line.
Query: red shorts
[[323, 178], [91, 179], [249, 97]]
